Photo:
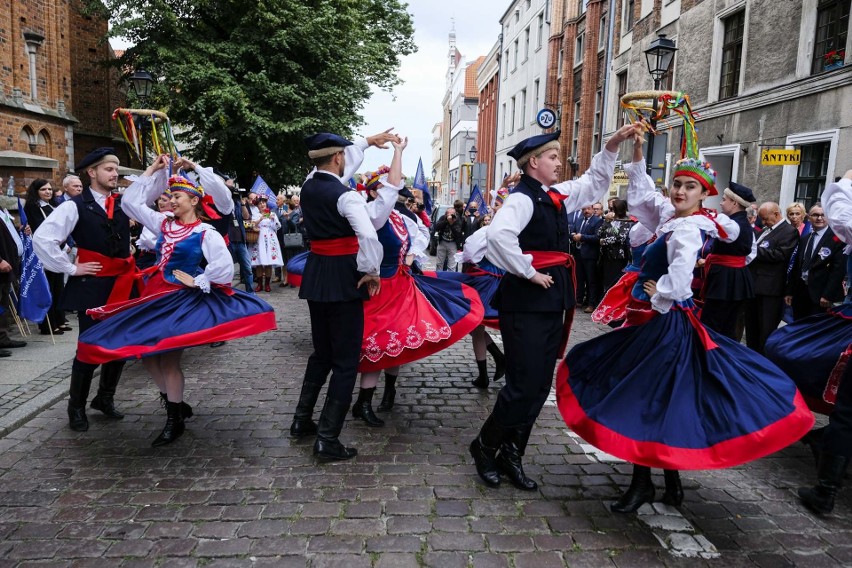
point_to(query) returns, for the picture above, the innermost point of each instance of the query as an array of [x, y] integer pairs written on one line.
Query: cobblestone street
[[236, 491]]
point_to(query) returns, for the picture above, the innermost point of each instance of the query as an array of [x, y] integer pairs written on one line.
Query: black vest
[[725, 282], [95, 232], [547, 231], [328, 278]]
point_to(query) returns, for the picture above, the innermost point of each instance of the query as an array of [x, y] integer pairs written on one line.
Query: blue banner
[[476, 200], [260, 187], [34, 299], [420, 183]]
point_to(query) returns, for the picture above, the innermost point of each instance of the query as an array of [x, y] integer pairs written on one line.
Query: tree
[[245, 82]]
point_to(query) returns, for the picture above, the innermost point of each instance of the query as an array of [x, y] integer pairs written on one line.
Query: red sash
[[729, 260], [640, 312], [547, 259], [123, 268], [335, 247]]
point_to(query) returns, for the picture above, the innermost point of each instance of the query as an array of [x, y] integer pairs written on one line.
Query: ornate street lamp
[[142, 84], [659, 57]]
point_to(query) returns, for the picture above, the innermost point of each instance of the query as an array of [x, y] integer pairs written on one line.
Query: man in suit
[[818, 270], [772, 253], [11, 250], [588, 244]]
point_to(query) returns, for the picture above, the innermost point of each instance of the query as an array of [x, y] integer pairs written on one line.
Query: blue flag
[[34, 299], [420, 183], [476, 200], [260, 187], [21, 213]]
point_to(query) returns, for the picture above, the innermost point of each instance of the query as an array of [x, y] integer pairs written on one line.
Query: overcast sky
[[415, 106]]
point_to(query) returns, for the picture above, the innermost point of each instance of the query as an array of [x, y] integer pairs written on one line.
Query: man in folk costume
[[529, 238], [728, 283], [104, 272], [342, 270]]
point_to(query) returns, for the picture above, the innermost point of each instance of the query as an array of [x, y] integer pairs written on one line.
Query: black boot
[[303, 424], [509, 458], [484, 451], [641, 491], [820, 498], [328, 446], [174, 425], [813, 440], [499, 361], [482, 380], [363, 408], [185, 409], [389, 396], [78, 394], [674, 490], [103, 401]]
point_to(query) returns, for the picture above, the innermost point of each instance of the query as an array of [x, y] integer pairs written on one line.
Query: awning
[[12, 159]]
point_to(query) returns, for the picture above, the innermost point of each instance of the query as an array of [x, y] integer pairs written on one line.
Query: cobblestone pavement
[[236, 491]]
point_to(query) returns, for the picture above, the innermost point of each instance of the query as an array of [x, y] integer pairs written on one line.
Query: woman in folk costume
[[266, 252], [146, 244], [182, 305], [664, 391], [815, 352], [412, 316], [612, 310]]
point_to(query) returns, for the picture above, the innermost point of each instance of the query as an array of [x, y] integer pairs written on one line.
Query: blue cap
[[742, 191], [524, 150], [96, 157], [325, 144]]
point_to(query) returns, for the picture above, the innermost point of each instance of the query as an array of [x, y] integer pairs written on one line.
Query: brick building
[[488, 85], [56, 94]]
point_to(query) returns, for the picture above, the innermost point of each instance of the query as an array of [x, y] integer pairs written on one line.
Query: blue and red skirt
[[414, 316], [295, 269], [169, 317], [810, 350], [672, 394], [485, 279], [613, 306]]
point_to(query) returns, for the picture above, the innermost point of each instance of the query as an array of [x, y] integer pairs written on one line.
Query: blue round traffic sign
[[546, 118]]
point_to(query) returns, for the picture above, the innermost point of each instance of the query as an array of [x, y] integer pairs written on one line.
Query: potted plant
[[833, 59]]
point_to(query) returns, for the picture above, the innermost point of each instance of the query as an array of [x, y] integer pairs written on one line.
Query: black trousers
[[531, 345], [592, 279], [721, 316], [762, 316], [337, 330], [837, 438]]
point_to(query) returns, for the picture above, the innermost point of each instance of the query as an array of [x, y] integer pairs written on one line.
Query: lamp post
[[142, 84], [659, 57], [473, 151]]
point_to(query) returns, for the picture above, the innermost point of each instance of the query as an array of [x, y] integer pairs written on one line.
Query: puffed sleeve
[[475, 247], [379, 209], [503, 247], [590, 187], [220, 266], [837, 201], [51, 233], [645, 203], [139, 194], [215, 187], [730, 227], [351, 206], [682, 248]]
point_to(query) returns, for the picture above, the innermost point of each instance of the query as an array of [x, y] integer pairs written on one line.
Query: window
[[526, 44], [578, 48], [831, 29], [515, 60], [732, 54], [536, 94], [576, 133], [523, 109], [596, 136], [512, 123], [621, 81], [627, 10], [540, 31], [581, 8], [811, 175], [503, 121], [559, 64], [603, 33]]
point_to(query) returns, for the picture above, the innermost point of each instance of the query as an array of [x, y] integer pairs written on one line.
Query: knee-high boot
[[363, 408], [509, 459], [674, 490], [174, 425], [389, 396], [820, 498], [105, 399], [481, 381], [328, 446], [303, 423], [499, 360], [81, 381], [641, 491], [484, 448]]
